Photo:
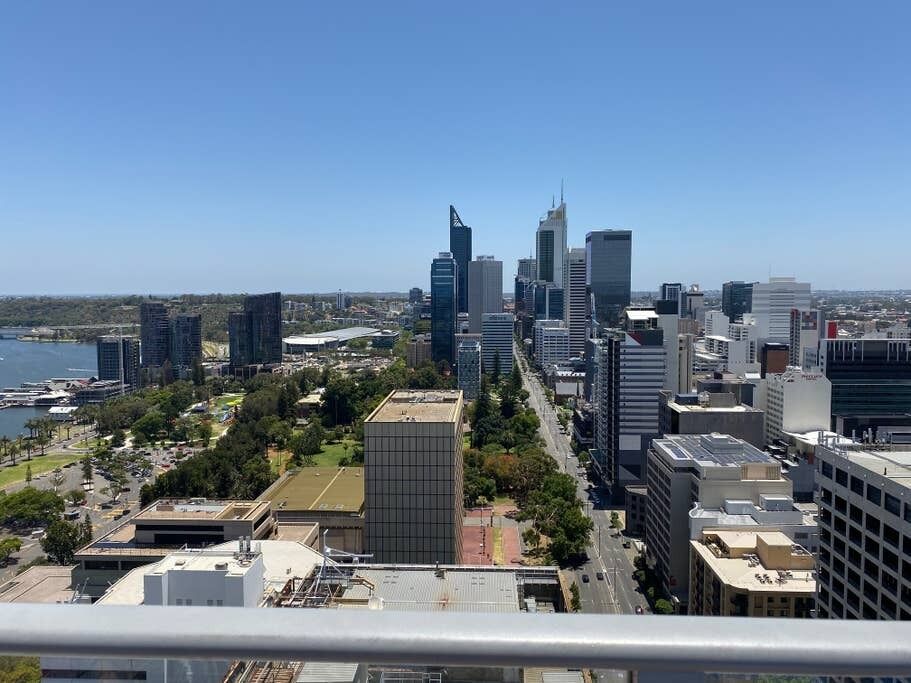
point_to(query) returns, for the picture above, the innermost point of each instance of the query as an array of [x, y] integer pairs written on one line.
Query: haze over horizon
[[315, 148]]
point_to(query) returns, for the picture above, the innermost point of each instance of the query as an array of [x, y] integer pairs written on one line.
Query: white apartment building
[[551, 345], [772, 304], [796, 401], [496, 340]]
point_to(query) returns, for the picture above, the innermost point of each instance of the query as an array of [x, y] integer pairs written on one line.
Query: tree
[[28, 474], [198, 373], [531, 537], [308, 443], [30, 507], [61, 541], [5, 443], [118, 438], [576, 601], [204, 432], [663, 606], [495, 371], [86, 530], [57, 478], [150, 425], [76, 496], [8, 546], [87, 469], [615, 522]]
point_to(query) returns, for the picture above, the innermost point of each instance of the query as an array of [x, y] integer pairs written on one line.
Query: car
[[585, 578], [599, 576], [639, 609], [626, 544]]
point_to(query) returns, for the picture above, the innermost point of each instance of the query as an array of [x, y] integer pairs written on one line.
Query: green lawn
[[39, 463], [86, 443], [222, 402], [333, 452]]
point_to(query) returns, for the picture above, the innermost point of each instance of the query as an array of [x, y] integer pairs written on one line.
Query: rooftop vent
[[221, 566]]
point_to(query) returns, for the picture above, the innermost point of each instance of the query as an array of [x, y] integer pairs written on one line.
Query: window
[[209, 603], [890, 535], [874, 495], [857, 485], [893, 505], [908, 512], [872, 524], [841, 477], [179, 601], [826, 469]]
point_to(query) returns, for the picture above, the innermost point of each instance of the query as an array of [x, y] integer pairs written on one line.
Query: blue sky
[[303, 146]]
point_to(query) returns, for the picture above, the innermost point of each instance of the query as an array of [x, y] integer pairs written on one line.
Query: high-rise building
[[118, 359], [773, 358], [549, 300], [772, 304], [460, 249], [870, 377], [736, 299], [485, 290], [496, 341], [444, 294], [551, 245], [527, 268], [417, 351], [255, 334], [153, 332], [685, 360], [630, 370], [704, 469], [415, 295], [186, 343], [864, 560], [470, 369], [551, 342], [671, 291], [795, 401], [803, 349], [413, 476], [692, 303], [608, 261], [575, 301], [343, 301], [668, 321]]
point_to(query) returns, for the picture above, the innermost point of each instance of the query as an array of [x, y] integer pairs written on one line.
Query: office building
[[692, 303], [773, 358], [527, 268], [551, 343], [186, 343], [668, 323], [444, 284], [255, 334], [671, 291], [548, 301], [736, 299], [118, 359], [485, 290], [795, 401], [772, 304], [575, 301], [413, 473], [685, 361], [780, 513], [153, 333], [343, 301], [608, 257], [864, 561], [871, 378], [803, 347], [705, 469], [551, 245], [737, 573], [415, 295], [497, 331], [470, 369], [629, 373], [706, 413], [460, 250]]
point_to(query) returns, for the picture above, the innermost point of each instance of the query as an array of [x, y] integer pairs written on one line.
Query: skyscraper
[[255, 335], [574, 300], [186, 343], [153, 331], [551, 245], [671, 291], [111, 349], [460, 249], [470, 369], [772, 304], [803, 349], [527, 268], [485, 290], [444, 290], [496, 341], [415, 295], [608, 256], [736, 299]]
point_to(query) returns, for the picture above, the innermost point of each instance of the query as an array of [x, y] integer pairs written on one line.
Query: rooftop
[[888, 462], [334, 336], [201, 508], [329, 489], [418, 406], [49, 583], [711, 450]]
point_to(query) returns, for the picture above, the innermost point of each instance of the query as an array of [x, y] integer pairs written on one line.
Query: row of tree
[[41, 434]]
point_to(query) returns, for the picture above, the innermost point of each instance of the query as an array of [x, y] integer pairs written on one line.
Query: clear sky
[[311, 146]]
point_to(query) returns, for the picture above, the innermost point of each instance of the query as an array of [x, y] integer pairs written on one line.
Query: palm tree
[[4, 447], [32, 424]]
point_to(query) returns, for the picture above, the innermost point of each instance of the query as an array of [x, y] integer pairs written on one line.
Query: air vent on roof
[[221, 566]]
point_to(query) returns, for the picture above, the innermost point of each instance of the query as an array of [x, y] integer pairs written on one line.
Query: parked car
[[600, 576], [585, 578]]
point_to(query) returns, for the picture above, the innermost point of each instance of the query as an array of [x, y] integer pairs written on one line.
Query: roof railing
[[385, 637]]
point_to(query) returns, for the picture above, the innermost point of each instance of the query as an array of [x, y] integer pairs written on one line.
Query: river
[[34, 362]]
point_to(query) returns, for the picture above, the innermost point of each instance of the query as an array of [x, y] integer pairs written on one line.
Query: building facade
[[470, 369], [111, 351], [255, 334], [551, 344], [772, 304], [153, 332], [497, 331], [796, 401], [706, 413], [444, 284], [413, 472], [485, 290], [736, 299], [575, 301], [803, 347], [186, 343], [608, 262], [527, 268], [460, 249], [551, 245]]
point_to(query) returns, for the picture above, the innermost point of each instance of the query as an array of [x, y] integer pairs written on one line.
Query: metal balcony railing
[[385, 637]]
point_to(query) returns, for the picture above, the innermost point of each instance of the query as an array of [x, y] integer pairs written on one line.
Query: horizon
[[244, 158]]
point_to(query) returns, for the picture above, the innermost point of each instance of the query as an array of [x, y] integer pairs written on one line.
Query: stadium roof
[[332, 337]]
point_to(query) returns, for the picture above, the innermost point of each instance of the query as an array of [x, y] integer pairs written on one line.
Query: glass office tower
[[608, 260], [460, 248], [444, 294]]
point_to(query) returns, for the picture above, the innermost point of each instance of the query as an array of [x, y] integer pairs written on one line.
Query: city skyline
[[680, 126]]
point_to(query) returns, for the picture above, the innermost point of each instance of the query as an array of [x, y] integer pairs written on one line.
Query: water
[[34, 362]]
